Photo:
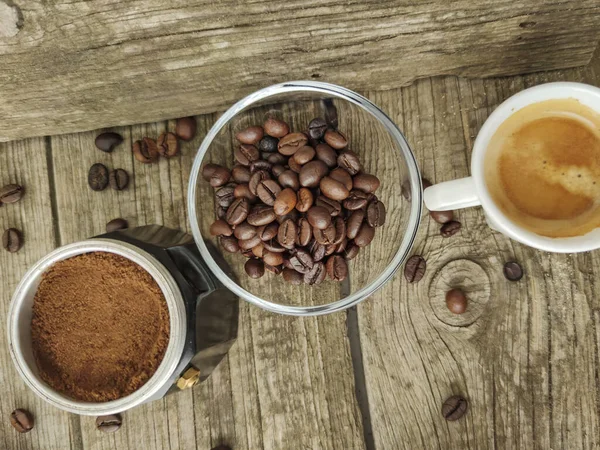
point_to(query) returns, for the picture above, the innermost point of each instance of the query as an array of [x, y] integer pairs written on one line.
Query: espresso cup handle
[[455, 194]]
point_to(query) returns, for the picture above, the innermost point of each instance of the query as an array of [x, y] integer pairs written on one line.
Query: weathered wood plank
[[74, 66]]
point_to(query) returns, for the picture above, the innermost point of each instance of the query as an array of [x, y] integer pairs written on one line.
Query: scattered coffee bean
[[339, 225], [261, 215], [272, 258], [366, 182], [225, 196], [246, 154], [376, 214], [304, 155], [442, 216], [242, 190], [354, 222], [11, 193], [220, 228], [312, 173], [116, 224], [335, 139], [333, 189], [454, 408], [168, 145], [109, 424], [237, 211], [456, 301], [325, 236], [365, 235], [293, 165], [302, 261], [304, 199], [12, 240], [513, 271], [277, 169], [276, 128], [268, 232], [185, 128], [229, 243], [349, 160], [268, 144], [289, 178], [285, 202], [343, 177], [289, 144], [145, 150], [247, 253], [98, 177], [221, 212], [208, 170], [414, 269], [273, 246], [286, 235], [245, 231], [293, 277], [249, 244], [356, 200], [305, 232], [219, 176], [258, 250], [118, 179], [21, 420], [108, 141], [267, 191], [257, 177], [351, 250], [317, 251], [273, 269], [450, 228], [239, 173], [250, 135], [317, 128], [316, 275], [337, 269], [332, 206], [260, 165], [318, 217], [254, 268]]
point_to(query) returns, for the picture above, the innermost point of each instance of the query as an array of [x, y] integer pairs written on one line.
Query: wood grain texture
[[73, 66]]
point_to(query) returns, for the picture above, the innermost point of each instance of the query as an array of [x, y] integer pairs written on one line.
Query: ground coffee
[[100, 327]]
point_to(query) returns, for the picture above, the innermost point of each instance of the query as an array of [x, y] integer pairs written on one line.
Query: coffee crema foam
[[542, 168]]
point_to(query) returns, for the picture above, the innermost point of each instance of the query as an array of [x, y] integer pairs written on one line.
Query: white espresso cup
[[472, 191]]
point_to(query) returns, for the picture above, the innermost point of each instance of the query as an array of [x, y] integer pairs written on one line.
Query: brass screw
[[189, 378]]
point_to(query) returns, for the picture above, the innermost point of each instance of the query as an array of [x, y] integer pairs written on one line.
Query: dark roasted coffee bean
[[317, 128], [285, 202], [304, 233], [456, 301], [337, 269], [219, 177], [221, 212], [316, 275], [286, 236], [340, 230], [302, 261], [332, 206], [257, 178], [245, 231], [238, 211], [277, 158], [145, 150], [366, 182], [225, 196], [247, 253], [240, 174], [97, 177], [109, 424], [254, 268], [249, 244], [276, 128], [261, 215], [317, 250], [243, 191], [318, 217], [245, 154], [356, 200], [330, 249], [267, 191], [268, 232], [341, 247], [21, 420], [512, 271], [312, 173], [277, 170], [293, 165], [185, 128], [289, 144], [450, 228], [11, 193], [335, 139], [268, 144], [258, 250], [351, 250], [331, 114], [220, 228], [333, 189], [414, 269], [118, 179], [273, 246], [229, 244], [349, 160], [272, 258], [260, 165], [289, 178], [325, 236], [208, 170], [168, 145], [250, 135], [304, 199], [342, 176], [108, 141], [273, 269], [291, 215], [365, 235], [304, 155], [326, 154], [354, 223], [116, 224], [442, 216], [454, 408], [286, 261], [376, 214], [293, 277], [12, 240]]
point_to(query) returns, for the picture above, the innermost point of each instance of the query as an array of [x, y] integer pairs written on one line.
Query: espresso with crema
[[542, 168]]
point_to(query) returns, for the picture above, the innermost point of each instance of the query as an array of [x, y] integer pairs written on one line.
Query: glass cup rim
[[414, 179]]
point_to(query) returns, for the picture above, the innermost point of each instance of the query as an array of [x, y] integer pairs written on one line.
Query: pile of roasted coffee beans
[[295, 203]]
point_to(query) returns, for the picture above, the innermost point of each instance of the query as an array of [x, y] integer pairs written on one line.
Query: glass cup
[[383, 152]]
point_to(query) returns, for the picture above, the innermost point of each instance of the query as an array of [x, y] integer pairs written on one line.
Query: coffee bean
[[168, 145], [185, 128], [268, 232], [250, 135], [272, 258], [293, 277], [239, 173], [249, 244], [316, 275], [454, 407], [351, 251], [261, 215], [145, 150], [349, 161], [12, 240], [450, 228], [254, 268], [456, 301], [11, 193], [376, 214], [293, 165], [268, 144], [337, 269], [208, 170], [335, 139], [365, 235], [108, 141], [276, 128], [257, 178], [247, 253], [260, 165], [220, 228], [312, 173], [442, 216], [333, 189], [97, 177], [109, 424], [286, 236], [325, 236], [343, 177], [278, 169], [341, 247], [229, 244], [21, 420], [267, 191], [245, 154], [219, 177], [285, 202], [273, 269], [243, 191], [332, 206], [354, 222], [326, 154], [356, 200], [289, 144], [318, 217], [414, 269], [258, 250], [116, 224], [304, 155], [221, 212], [238, 211], [304, 232], [289, 178], [317, 251], [245, 231], [302, 261], [366, 182], [340, 230], [273, 246], [118, 179], [317, 128], [513, 271]]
